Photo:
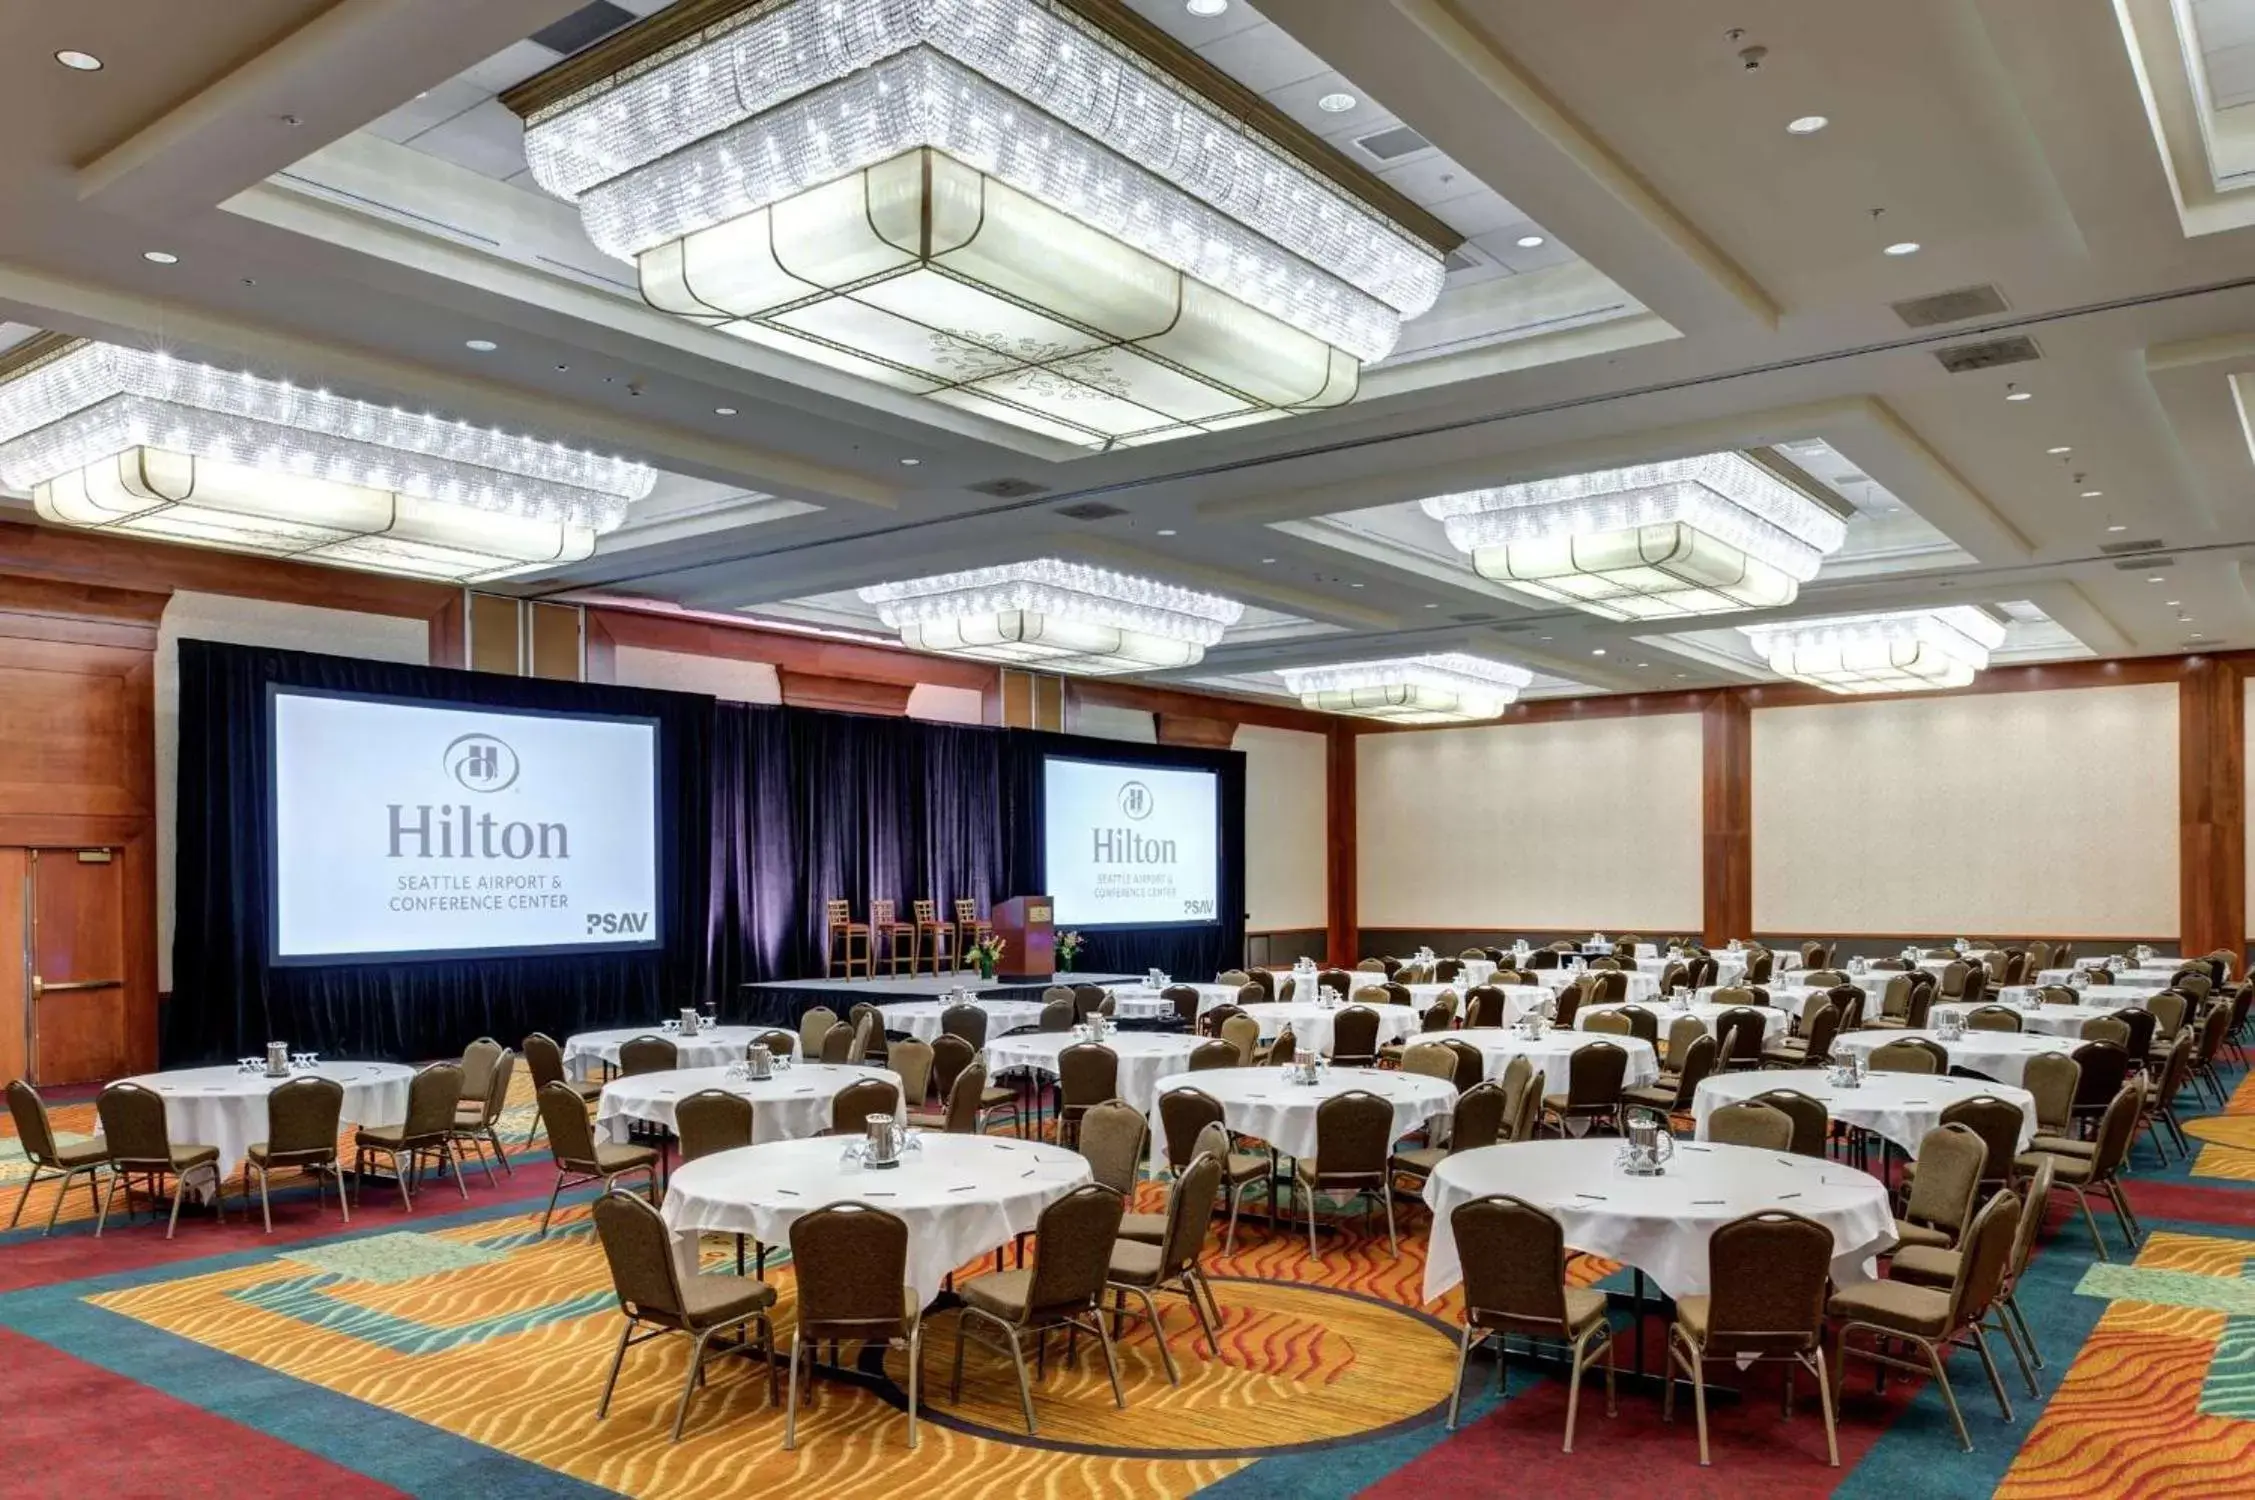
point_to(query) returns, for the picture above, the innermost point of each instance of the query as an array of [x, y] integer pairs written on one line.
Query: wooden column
[[1341, 935], [1727, 818], [2212, 807]]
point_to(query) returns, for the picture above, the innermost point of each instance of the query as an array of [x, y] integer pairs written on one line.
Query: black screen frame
[[275, 958], [1140, 763]]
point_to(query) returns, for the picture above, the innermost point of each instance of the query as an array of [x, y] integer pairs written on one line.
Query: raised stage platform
[[780, 1002]]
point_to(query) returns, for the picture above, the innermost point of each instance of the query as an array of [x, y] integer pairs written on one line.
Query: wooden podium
[[1023, 924]]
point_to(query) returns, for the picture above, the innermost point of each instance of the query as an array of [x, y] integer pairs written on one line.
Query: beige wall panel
[[684, 672], [1286, 835], [947, 705], [1532, 826], [250, 622], [2032, 813], [1105, 722]]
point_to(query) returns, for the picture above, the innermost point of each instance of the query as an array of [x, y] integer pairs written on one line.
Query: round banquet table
[[961, 1195], [1642, 987], [1259, 1102], [1659, 1225], [2096, 999], [2037, 1020], [1729, 967], [1139, 1002], [920, 1019], [1311, 1024], [713, 1047], [1792, 999], [226, 1107], [1145, 1057], [1900, 1107], [2001, 1055], [794, 1102], [2144, 981], [1551, 1054], [1773, 1019]]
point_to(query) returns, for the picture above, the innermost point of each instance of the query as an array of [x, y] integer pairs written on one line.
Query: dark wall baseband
[[1403, 940], [1284, 946]]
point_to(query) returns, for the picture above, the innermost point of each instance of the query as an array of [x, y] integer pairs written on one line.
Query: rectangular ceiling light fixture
[[1056, 616], [1451, 688], [999, 205], [1912, 652], [109, 438], [1689, 536]]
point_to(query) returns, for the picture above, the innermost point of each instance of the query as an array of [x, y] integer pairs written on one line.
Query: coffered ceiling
[[347, 201]]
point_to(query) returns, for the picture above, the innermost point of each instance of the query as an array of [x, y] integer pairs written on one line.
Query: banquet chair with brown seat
[[781, 1045], [1997, 1122], [1113, 1136], [427, 1134], [966, 1021], [1478, 1120], [579, 1159], [657, 1300], [1354, 1037], [1484, 1006], [1749, 1122], [1184, 998], [1923, 1265], [1951, 1159], [1674, 1094], [1146, 1264], [648, 1054], [2052, 1080], [477, 1121], [851, 1106], [1912, 1054], [1643, 1024], [35, 1138], [1354, 1143], [1244, 1033], [1063, 1288], [1993, 1018], [837, 1048], [2100, 1172], [841, 934], [868, 1034], [1594, 1076], [1215, 1054], [813, 1027], [850, 1262], [1057, 1015], [1606, 1023], [1739, 1033], [711, 1121], [478, 1062], [1682, 1032], [1514, 1259], [1769, 1274], [544, 1061], [1088, 1073], [1934, 1318], [302, 1123], [912, 1061], [1088, 999], [1812, 1122], [1813, 1048], [1566, 1005], [1471, 1063]]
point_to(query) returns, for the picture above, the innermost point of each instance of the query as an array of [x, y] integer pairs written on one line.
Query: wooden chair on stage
[[840, 933], [932, 934], [884, 923], [969, 928]]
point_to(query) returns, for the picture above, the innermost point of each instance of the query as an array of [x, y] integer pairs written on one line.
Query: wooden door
[[77, 988], [15, 963]]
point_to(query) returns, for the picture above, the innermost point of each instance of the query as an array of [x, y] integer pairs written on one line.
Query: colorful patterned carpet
[[454, 1352]]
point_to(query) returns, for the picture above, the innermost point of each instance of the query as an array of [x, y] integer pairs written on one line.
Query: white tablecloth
[[2001, 1055], [795, 1102], [2038, 1020], [2139, 981], [1140, 1002], [715, 1047], [1645, 987], [1145, 1057], [1899, 1106], [1551, 1054], [1792, 999], [1729, 967], [2098, 999], [1773, 1019], [1311, 1024], [1659, 1224], [1260, 1102], [962, 1195], [224, 1107], [921, 1018]]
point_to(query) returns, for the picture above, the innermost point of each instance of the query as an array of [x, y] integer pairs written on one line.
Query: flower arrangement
[[987, 953], [1068, 950]]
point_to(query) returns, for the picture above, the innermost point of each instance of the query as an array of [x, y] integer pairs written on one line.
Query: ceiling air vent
[[1090, 510], [2118, 549], [1473, 619], [1951, 307], [1988, 354], [1394, 144], [1462, 258], [2142, 564], [583, 27], [1010, 489]]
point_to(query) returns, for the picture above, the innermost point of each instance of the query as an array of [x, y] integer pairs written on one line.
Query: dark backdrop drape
[[764, 812]]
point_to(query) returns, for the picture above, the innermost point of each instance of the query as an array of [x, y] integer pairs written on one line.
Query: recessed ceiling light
[[1531, 242], [2156, 578], [724, 411], [2019, 395], [1600, 651], [79, 62], [1432, 606], [1644, 664], [2093, 494], [1354, 585], [2059, 452], [2173, 603], [1543, 637], [160, 257], [1336, 104], [910, 463], [1904, 247], [1169, 531], [1268, 560], [2196, 636], [1806, 125], [482, 346], [1680, 676], [2118, 526], [1206, 8]]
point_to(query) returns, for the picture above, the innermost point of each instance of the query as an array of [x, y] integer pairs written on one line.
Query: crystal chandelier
[[1057, 616], [1448, 689], [995, 204], [132, 441], [1912, 652], [1692, 536]]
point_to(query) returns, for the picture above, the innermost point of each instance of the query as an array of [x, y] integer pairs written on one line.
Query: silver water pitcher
[[882, 1145], [277, 1059], [1650, 1146], [690, 1021], [759, 1063]]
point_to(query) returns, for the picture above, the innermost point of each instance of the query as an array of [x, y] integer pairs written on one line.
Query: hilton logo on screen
[[1136, 801], [482, 763], [1125, 846]]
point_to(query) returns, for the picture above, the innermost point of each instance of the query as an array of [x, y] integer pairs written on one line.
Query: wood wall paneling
[[1342, 875], [450, 630], [494, 644], [556, 653], [15, 998], [80, 1020], [1193, 730], [2212, 796], [843, 694], [1726, 817], [61, 554]]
